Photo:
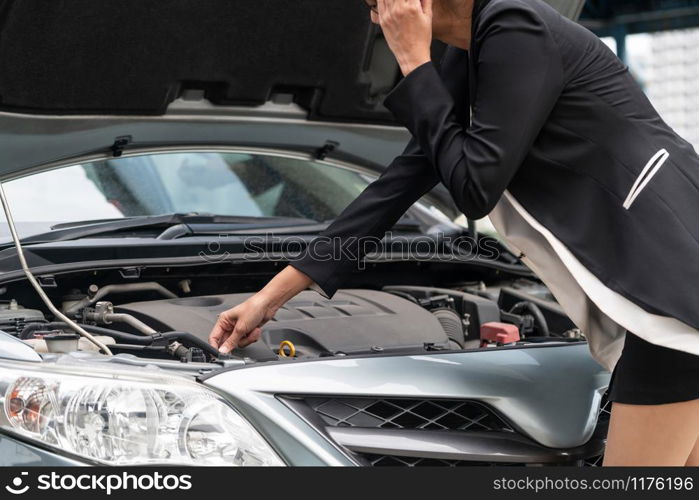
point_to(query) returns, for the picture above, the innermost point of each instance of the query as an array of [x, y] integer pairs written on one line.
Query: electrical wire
[[54, 310], [536, 313]]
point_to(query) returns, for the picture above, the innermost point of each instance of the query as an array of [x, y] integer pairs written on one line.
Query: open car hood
[[137, 56], [76, 76]]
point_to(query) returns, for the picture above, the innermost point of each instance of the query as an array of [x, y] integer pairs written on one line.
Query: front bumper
[[16, 452], [550, 396], [533, 405]]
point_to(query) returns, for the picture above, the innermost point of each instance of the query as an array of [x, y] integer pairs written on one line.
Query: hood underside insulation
[[137, 56]]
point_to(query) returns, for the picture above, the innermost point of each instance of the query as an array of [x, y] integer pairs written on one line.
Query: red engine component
[[498, 333]]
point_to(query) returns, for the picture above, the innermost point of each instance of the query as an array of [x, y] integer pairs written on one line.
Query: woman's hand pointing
[[242, 325], [407, 26]]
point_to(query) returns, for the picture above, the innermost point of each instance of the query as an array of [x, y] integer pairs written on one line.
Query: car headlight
[[117, 418]]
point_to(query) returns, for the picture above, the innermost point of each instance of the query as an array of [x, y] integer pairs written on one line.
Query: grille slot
[[393, 461], [432, 414], [605, 412], [605, 409]]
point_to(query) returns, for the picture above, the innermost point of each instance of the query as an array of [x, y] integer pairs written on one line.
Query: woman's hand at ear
[[407, 26]]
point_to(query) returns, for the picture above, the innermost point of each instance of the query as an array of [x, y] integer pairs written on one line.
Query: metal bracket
[[120, 143], [130, 273], [326, 149], [47, 281]]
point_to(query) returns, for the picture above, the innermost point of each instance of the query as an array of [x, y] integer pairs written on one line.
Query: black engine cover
[[352, 321]]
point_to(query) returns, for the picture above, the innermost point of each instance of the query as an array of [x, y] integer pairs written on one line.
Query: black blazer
[[558, 122]]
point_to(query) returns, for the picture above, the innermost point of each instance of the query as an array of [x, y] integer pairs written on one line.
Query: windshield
[[221, 183]]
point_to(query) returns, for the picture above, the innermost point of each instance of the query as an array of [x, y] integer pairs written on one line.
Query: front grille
[[605, 409], [394, 413], [594, 461], [426, 414], [603, 416], [393, 461]]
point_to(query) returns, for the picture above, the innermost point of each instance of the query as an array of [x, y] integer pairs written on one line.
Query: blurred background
[[659, 40]]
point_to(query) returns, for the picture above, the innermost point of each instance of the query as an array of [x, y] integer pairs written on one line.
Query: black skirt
[[648, 374]]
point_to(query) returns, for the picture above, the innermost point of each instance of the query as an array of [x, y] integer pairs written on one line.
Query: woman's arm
[[375, 211], [409, 177], [341, 247], [519, 78]]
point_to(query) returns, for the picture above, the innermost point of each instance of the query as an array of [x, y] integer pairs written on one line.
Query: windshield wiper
[[89, 228], [404, 225], [174, 226]]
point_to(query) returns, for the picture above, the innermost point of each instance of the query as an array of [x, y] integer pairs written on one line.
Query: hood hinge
[[47, 281], [119, 144], [323, 151]]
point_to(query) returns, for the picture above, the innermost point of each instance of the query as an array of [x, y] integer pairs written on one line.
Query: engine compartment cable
[[128, 338], [119, 288], [536, 312], [35, 284]]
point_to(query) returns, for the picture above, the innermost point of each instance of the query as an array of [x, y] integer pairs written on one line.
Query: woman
[[578, 172]]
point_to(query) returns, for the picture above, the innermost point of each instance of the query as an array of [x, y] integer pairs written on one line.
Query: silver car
[[149, 190]]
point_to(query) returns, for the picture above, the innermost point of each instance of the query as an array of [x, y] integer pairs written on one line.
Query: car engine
[[396, 319], [353, 321]]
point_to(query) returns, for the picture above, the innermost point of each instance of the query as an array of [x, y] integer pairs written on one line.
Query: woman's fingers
[[220, 332], [215, 336], [381, 8], [424, 6], [251, 338], [239, 330], [229, 344], [239, 326], [386, 12], [427, 7], [241, 336], [407, 28]]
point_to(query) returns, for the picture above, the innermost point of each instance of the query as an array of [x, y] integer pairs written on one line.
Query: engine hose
[[29, 330], [128, 338], [35, 283], [404, 295], [536, 312], [119, 288], [452, 325], [193, 340]]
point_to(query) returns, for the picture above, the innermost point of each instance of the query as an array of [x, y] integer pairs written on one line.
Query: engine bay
[[150, 319]]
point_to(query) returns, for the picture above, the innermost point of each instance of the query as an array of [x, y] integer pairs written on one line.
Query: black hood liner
[[137, 56]]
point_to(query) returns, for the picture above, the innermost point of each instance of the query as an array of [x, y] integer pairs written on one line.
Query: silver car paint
[[474, 446], [30, 141], [15, 349], [14, 452], [514, 381], [33, 142], [550, 394]]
